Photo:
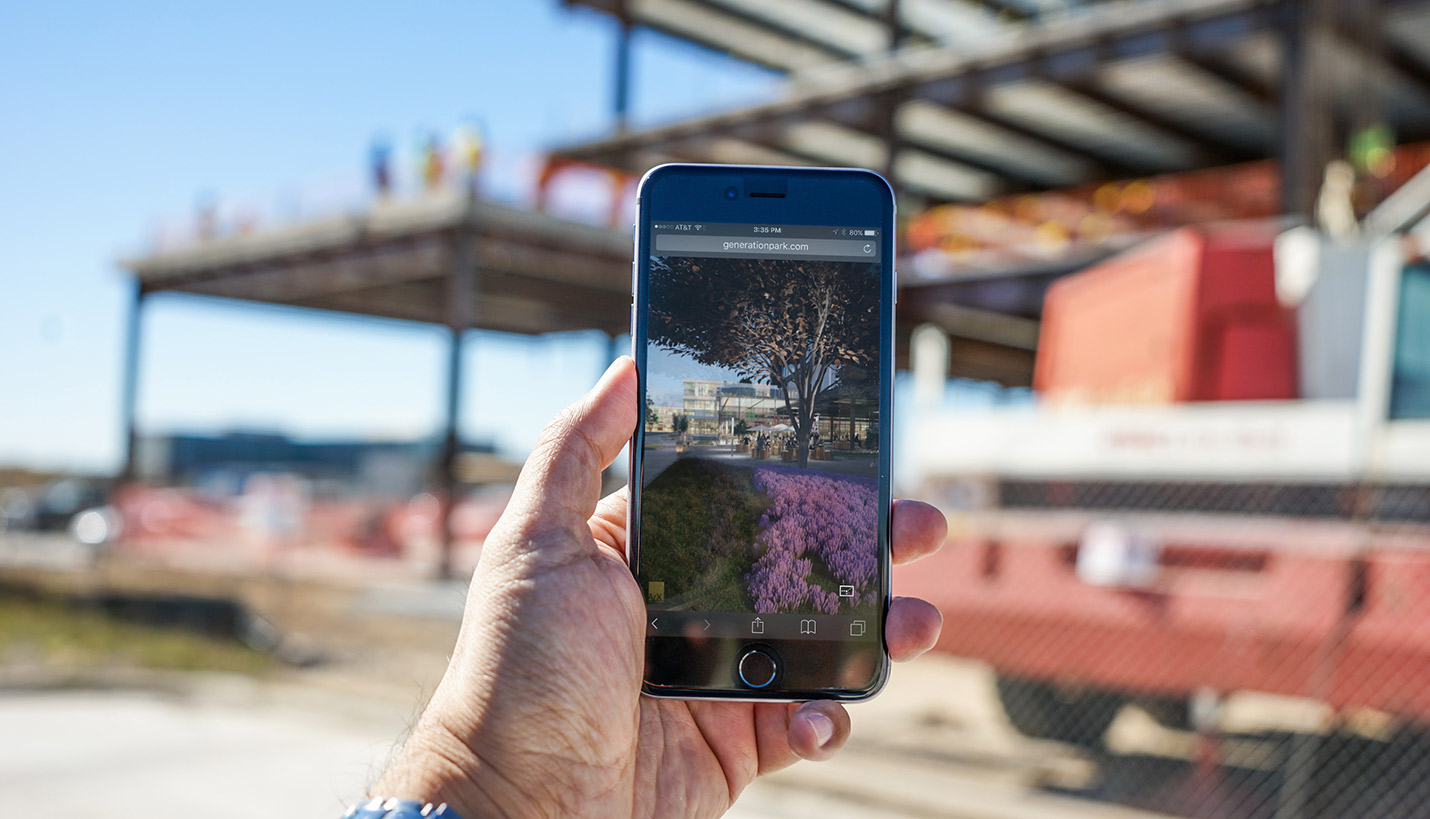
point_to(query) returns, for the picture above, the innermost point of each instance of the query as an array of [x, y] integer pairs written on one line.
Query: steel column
[[890, 102], [129, 396], [622, 99], [461, 292], [1306, 119]]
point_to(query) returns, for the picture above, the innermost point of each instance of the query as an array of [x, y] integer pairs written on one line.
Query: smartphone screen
[[763, 486]]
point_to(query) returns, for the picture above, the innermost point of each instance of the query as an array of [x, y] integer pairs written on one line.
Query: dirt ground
[[360, 657], [159, 745]]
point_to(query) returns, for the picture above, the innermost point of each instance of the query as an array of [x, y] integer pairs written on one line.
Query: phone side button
[[757, 668]]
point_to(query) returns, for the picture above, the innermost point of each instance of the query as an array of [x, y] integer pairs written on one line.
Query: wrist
[[434, 766]]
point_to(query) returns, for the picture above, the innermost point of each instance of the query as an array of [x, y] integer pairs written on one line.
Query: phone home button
[[757, 668]]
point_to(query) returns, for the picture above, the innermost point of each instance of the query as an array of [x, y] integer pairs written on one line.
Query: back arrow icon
[[654, 623]]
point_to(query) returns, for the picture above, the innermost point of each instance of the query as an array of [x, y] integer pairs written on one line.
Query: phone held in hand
[[762, 329]]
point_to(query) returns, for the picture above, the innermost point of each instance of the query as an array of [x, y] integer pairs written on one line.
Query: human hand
[[540, 712]]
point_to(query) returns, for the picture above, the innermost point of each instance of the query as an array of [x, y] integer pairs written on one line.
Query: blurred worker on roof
[[380, 160], [1335, 205], [432, 164], [467, 144]]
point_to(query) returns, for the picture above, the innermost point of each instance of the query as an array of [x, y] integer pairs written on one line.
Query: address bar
[[762, 247]]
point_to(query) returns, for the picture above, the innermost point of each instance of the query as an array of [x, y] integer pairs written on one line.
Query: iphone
[[762, 329]]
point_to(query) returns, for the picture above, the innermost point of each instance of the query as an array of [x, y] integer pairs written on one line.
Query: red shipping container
[[1191, 316]]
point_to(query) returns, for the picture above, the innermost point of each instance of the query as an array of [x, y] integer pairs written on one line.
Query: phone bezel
[[812, 196]]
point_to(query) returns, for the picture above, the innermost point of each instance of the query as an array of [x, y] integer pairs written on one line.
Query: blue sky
[[117, 119]]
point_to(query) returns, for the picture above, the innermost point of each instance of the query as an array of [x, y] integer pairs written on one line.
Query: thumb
[[561, 481]]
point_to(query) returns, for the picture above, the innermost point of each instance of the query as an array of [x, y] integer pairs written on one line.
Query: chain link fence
[[1248, 650]]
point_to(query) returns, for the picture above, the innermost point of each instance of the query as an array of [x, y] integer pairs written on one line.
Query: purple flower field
[[814, 517]]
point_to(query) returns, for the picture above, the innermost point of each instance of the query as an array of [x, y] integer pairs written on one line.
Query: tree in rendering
[[798, 325]]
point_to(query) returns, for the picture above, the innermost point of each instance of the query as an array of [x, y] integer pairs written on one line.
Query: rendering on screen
[[760, 459]]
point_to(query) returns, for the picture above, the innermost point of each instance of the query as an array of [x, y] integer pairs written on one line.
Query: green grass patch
[[64, 634], [699, 522]]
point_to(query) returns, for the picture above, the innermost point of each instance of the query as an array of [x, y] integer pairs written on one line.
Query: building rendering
[[708, 404]]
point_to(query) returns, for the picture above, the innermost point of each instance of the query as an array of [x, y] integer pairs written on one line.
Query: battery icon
[[871, 233]]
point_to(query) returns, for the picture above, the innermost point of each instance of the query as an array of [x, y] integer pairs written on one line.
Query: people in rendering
[[540, 712]]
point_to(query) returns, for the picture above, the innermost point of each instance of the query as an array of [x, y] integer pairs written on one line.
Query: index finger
[[919, 531], [608, 524]]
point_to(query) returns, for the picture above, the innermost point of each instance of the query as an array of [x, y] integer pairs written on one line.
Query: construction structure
[[958, 102], [967, 101], [447, 258]]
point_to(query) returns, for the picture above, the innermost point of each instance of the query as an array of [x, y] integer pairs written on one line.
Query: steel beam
[[1005, 9], [312, 276], [972, 103], [1211, 150], [791, 33], [958, 82], [1409, 67], [989, 326], [863, 116], [887, 19], [501, 314], [1261, 94]]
